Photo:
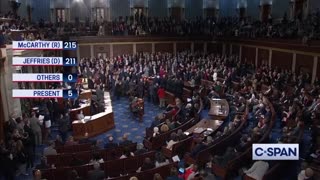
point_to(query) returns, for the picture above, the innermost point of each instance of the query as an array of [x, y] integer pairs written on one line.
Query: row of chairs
[[246, 156], [113, 168], [64, 159], [219, 145]]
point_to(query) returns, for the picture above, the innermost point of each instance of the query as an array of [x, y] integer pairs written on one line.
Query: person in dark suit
[[140, 149], [110, 144], [125, 140], [147, 164], [90, 83], [96, 173]]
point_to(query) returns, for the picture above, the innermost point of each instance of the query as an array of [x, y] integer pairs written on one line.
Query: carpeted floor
[[126, 123]]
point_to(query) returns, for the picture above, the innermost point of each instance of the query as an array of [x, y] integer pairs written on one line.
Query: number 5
[[70, 93], [74, 45]]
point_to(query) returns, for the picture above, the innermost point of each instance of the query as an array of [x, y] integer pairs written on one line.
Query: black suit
[[96, 175], [90, 84], [110, 145], [124, 143]]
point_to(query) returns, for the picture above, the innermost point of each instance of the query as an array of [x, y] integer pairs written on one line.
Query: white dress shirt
[[257, 170]]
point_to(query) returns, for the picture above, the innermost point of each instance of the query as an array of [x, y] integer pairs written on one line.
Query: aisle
[[125, 123]]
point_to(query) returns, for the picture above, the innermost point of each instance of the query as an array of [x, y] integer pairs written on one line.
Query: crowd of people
[[147, 75], [306, 29]]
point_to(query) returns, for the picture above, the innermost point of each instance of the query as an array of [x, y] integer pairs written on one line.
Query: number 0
[[70, 77], [70, 93]]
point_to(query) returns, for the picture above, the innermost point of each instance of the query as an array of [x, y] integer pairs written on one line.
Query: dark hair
[[18, 120], [160, 157]]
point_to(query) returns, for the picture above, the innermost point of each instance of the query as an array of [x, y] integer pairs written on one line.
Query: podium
[[219, 108]]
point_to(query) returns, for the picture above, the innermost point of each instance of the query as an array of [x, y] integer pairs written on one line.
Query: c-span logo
[[275, 151]]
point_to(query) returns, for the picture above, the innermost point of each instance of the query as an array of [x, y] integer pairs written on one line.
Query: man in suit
[[100, 94], [36, 128], [96, 173], [110, 143], [125, 140], [90, 83], [50, 149]]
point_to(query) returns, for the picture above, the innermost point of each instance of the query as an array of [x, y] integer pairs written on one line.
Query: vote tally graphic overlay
[[44, 77]]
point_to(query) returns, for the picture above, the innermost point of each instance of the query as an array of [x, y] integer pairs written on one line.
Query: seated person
[[50, 150], [125, 140], [126, 153], [164, 128], [181, 135], [147, 164], [70, 141], [58, 142], [174, 140], [257, 170], [96, 158], [201, 146], [140, 149], [155, 132], [161, 160], [96, 173], [225, 158], [170, 124], [157, 120], [305, 174], [110, 144]]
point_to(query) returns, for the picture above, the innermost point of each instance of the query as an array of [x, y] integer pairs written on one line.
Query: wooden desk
[[219, 108], [204, 124], [86, 94], [98, 124], [85, 108]]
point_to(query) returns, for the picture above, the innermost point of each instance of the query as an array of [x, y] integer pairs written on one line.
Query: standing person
[[36, 128], [118, 90], [64, 126], [46, 125], [21, 159], [161, 95], [141, 88], [29, 145]]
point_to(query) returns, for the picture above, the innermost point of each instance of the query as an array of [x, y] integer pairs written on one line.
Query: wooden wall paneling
[[85, 51], [263, 56], [318, 68], [119, 49], [69, 53], [304, 63], [248, 54], [183, 47], [227, 49], [198, 47], [147, 47], [213, 48], [235, 49], [282, 60], [104, 48], [219, 48], [164, 47]]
